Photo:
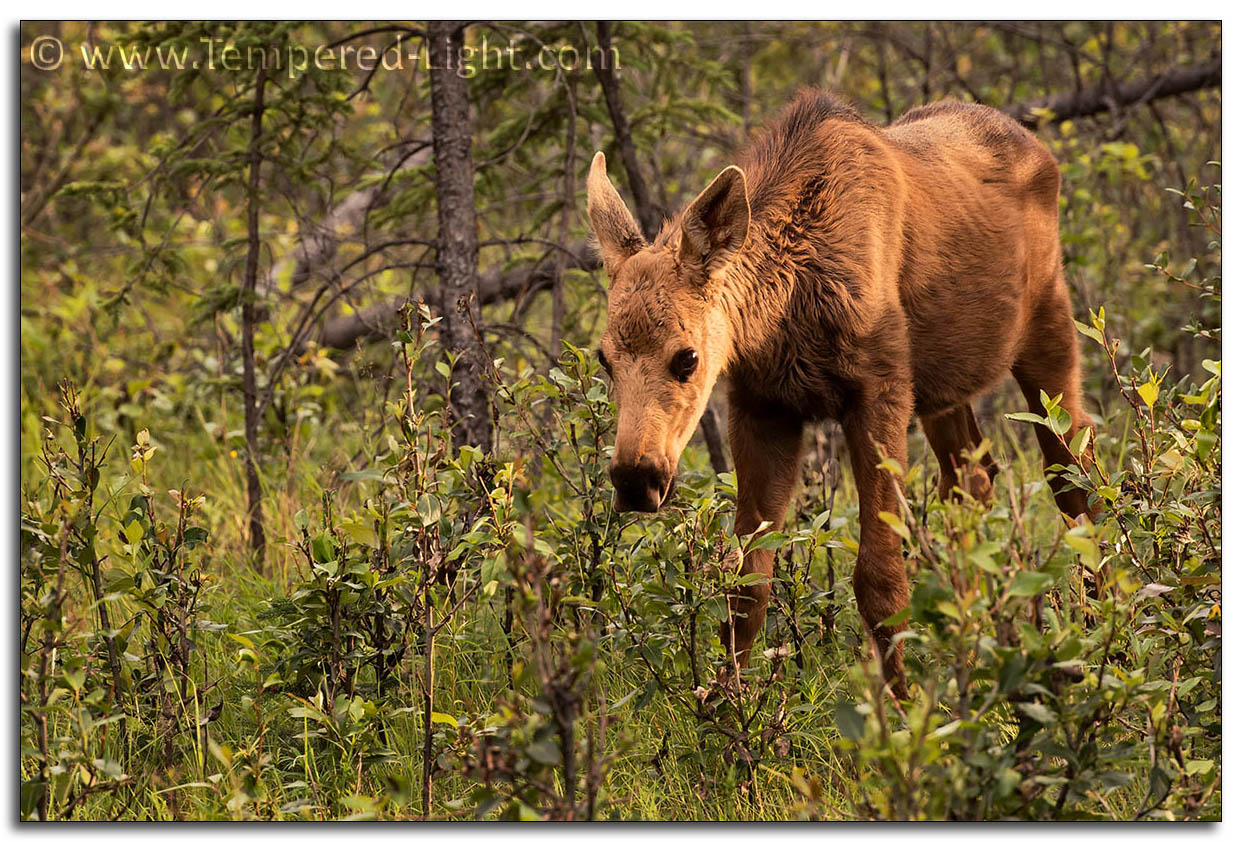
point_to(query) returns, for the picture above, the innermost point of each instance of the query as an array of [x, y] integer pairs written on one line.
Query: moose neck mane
[[784, 166]]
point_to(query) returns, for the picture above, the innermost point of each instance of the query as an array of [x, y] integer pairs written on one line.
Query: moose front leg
[[875, 430], [767, 451]]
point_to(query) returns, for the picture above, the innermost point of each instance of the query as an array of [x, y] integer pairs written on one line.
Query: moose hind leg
[[952, 435], [1048, 361]]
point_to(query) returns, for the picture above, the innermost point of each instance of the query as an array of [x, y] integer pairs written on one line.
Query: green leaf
[[302, 712], [1200, 767], [982, 557], [1111, 779], [194, 536], [1030, 583], [1091, 332], [31, 793], [895, 523], [1027, 417], [544, 752], [1007, 781], [1079, 443], [1040, 713], [1149, 391], [1059, 421], [133, 532], [1086, 546], [619, 703], [365, 475], [109, 767], [768, 541], [361, 533], [850, 722], [321, 549]]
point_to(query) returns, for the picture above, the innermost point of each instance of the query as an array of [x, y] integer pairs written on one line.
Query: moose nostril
[[640, 487]]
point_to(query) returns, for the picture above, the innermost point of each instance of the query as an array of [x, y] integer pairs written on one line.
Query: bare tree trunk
[[457, 257], [567, 210], [258, 540]]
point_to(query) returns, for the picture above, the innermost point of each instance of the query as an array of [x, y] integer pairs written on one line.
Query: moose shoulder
[[845, 271]]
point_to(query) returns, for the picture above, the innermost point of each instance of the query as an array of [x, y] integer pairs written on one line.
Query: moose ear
[[715, 224], [615, 229]]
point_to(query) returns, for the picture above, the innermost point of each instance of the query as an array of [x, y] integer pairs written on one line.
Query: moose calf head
[[668, 336]]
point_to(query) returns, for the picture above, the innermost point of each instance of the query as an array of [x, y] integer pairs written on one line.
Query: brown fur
[[851, 272]]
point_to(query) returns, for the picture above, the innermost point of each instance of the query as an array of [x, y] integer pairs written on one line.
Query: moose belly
[[963, 340]]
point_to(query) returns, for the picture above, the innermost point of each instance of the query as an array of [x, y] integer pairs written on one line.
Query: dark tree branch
[[1106, 98], [321, 240], [34, 206], [375, 323]]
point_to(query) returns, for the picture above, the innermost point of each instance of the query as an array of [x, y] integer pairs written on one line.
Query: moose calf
[[843, 271]]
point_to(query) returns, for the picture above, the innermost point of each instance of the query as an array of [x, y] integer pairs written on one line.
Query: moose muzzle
[[641, 486]]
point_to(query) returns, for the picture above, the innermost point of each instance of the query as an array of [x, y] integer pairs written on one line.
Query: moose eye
[[684, 363], [603, 361]]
